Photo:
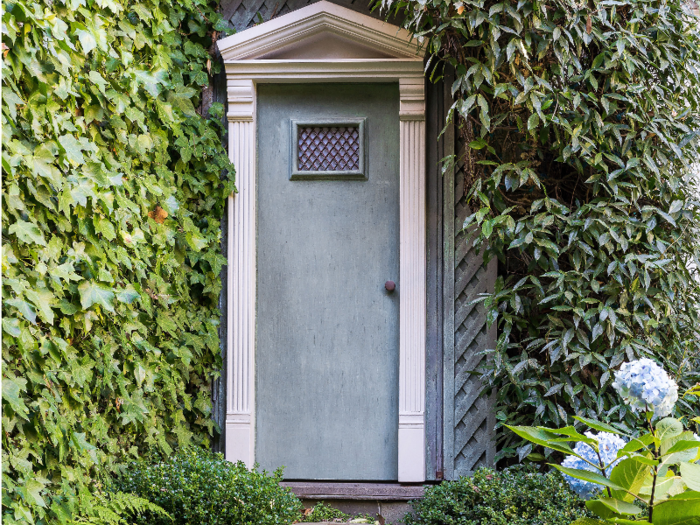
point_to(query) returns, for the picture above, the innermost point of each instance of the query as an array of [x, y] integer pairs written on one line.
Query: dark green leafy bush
[[112, 195], [581, 121], [516, 496], [201, 488]]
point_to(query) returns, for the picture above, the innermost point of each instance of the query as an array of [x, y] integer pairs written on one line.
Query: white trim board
[[246, 66]]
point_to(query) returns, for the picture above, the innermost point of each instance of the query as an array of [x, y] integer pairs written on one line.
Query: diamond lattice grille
[[329, 148]]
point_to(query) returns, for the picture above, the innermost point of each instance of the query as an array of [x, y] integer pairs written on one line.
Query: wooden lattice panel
[[469, 419], [329, 148]]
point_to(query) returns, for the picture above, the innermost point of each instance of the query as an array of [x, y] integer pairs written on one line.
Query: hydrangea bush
[[658, 469], [588, 458], [645, 386]]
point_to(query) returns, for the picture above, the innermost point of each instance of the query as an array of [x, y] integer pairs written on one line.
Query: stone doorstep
[[386, 512], [389, 501], [354, 491]]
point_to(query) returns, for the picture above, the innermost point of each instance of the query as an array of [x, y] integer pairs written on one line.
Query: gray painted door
[[327, 353]]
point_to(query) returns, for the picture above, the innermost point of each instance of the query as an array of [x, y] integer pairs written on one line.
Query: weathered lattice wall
[[468, 419], [243, 14]]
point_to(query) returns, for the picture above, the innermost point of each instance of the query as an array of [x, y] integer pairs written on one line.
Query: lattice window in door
[[328, 150]]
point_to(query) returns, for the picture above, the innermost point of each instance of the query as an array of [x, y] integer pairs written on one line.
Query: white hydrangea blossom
[[644, 386], [608, 446]]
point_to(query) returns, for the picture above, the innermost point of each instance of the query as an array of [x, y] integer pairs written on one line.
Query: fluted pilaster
[[413, 282], [240, 425]]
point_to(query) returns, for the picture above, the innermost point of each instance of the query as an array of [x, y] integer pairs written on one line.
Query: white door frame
[[303, 32]]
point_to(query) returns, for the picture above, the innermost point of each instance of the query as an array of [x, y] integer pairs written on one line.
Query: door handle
[[390, 286]]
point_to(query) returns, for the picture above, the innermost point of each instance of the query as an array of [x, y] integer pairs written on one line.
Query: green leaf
[[599, 425], [42, 300], [542, 437], [668, 428], [586, 475], [683, 509], [666, 486], [12, 390], [86, 40], [690, 473], [73, 149], [533, 122], [92, 293], [128, 294], [27, 232], [589, 521], [10, 326], [32, 492], [24, 308], [612, 507], [630, 474], [682, 445], [638, 443]]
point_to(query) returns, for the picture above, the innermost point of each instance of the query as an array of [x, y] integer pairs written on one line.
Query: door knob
[[390, 286]]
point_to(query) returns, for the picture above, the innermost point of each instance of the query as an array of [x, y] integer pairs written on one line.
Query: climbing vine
[[581, 120], [113, 188]]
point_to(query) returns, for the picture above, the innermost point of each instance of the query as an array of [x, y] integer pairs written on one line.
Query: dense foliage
[[516, 496], [201, 488], [581, 120], [112, 196]]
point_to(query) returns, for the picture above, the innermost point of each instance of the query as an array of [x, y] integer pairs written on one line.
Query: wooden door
[[327, 335]]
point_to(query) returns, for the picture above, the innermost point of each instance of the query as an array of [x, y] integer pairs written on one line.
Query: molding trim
[[413, 308], [339, 70], [242, 77], [316, 18], [240, 405]]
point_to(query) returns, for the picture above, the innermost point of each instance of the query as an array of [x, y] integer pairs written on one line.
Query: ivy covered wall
[[581, 120], [113, 188]]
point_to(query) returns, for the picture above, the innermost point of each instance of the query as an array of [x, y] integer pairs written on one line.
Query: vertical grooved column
[[240, 423], [413, 281]]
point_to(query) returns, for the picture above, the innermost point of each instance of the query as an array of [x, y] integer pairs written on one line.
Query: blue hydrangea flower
[[608, 446], [644, 386]]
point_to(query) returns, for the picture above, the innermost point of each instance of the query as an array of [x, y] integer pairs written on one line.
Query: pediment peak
[[321, 31]]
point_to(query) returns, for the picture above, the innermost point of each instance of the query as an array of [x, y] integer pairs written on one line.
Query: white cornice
[[309, 21], [348, 70]]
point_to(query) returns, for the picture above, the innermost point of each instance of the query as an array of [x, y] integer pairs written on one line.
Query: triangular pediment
[[320, 31]]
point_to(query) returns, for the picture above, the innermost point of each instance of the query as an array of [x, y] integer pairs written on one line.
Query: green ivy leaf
[[27, 232], [10, 326], [12, 389], [24, 308], [73, 149], [96, 293]]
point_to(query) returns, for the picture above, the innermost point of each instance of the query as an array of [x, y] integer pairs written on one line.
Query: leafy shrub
[[581, 121], [199, 487], [515, 496], [112, 196]]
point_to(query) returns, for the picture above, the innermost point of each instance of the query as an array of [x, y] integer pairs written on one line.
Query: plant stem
[[602, 471], [653, 483]]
